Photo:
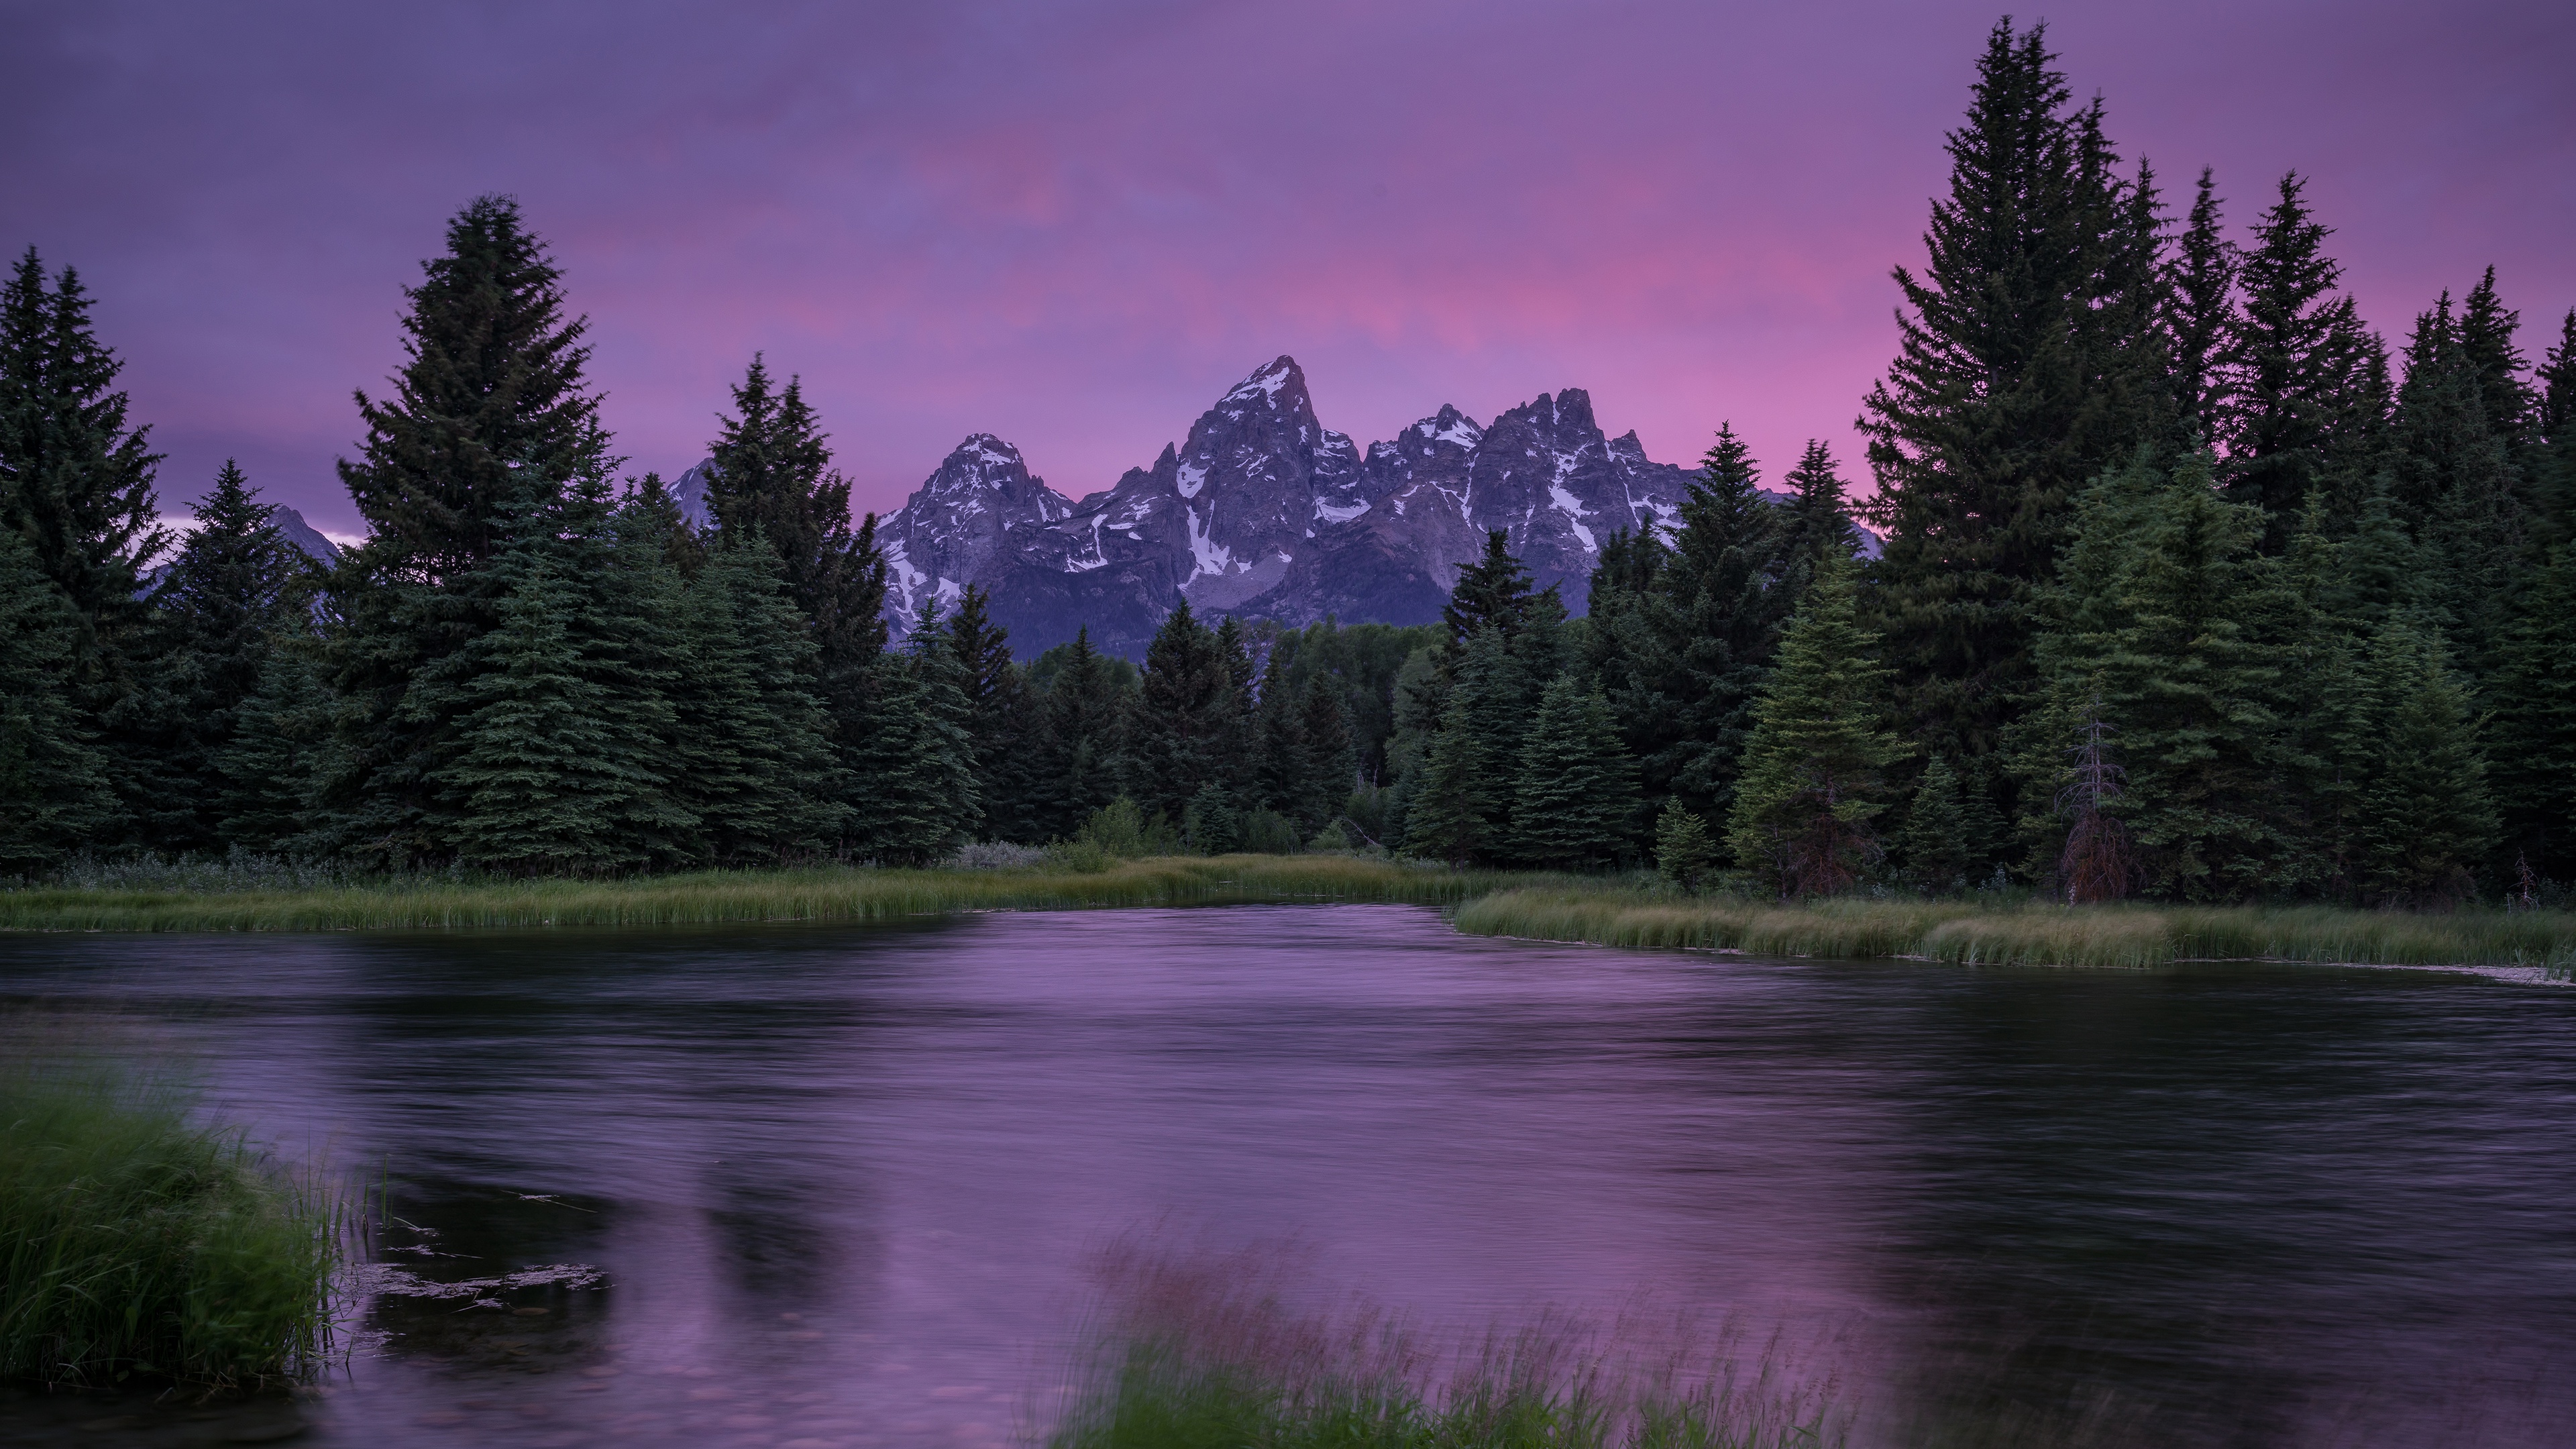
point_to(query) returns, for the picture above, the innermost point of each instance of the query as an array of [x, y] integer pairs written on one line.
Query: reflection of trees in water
[[2187, 1210], [650, 1081]]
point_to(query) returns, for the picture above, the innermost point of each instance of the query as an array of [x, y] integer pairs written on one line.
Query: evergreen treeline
[[2189, 587]]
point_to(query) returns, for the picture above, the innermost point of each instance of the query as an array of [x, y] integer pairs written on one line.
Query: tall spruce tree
[[2171, 630], [2487, 328], [1189, 722], [490, 419], [235, 587], [1577, 805], [773, 469], [2201, 321], [752, 756], [1002, 721], [2454, 484], [2532, 691], [1803, 821], [2425, 820], [270, 764], [1331, 758], [1282, 776], [53, 785], [1819, 523], [1937, 852], [1079, 754], [75, 478], [2306, 381], [1460, 808], [2025, 365]]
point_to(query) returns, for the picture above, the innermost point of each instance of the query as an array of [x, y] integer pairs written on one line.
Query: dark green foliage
[[2533, 732], [53, 784], [534, 781], [1003, 722], [1803, 820], [1282, 777], [751, 758], [1078, 754], [2201, 322], [1494, 593], [235, 589], [266, 770], [2454, 484], [1683, 850], [1578, 805], [78, 480], [1819, 522], [773, 471], [2027, 362], [2486, 343], [1936, 848], [917, 798], [1681, 636], [2424, 820], [1331, 756], [2307, 382], [1191, 721], [490, 421], [2172, 625], [1210, 824], [1359, 665], [1459, 808]]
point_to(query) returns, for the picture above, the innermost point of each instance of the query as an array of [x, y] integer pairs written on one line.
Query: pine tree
[[2171, 625], [75, 479], [2454, 485], [236, 583], [2027, 363], [532, 776], [773, 469], [1078, 757], [1282, 777], [2553, 469], [1577, 804], [2425, 819], [1819, 522], [2487, 327], [1493, 592], [270, 759], [1803, 816], [1706, 631], [2306, 380], [490, 421], [2201, 321], [1210, 823], [2533, 694], [1189, 719], [1936, 848], [1332, 762], [53, 784], [1459, 808], [1002, 721], [1683, 851], [752, 757]]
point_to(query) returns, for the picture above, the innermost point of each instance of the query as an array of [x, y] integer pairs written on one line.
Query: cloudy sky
[[1074, 225]]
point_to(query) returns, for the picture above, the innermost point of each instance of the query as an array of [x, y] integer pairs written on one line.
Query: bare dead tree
[[2100, 861]]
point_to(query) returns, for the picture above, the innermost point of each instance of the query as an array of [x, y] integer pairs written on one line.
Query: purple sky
[[1075, 225]]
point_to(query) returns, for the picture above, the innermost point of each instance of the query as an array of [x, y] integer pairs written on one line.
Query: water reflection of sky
[[845, 1181]]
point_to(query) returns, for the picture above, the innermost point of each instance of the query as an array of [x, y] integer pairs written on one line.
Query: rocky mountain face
[[1263, 512]]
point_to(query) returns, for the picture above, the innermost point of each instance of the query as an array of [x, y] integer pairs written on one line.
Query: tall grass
[[1612, 911], [2033, 933], [133, 1242], [1205, 1356], [821, 894]]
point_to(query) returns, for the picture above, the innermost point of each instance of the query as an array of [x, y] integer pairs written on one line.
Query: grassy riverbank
[[2034, 934], [717, 897], [133, 1243], [1612, 911]]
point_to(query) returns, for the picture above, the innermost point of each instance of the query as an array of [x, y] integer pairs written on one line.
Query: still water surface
[[848, 1185]]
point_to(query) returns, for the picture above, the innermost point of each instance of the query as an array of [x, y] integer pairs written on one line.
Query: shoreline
[[1619, 911]]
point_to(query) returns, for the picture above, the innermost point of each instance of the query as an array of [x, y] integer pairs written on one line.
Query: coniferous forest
[[2191, 586]]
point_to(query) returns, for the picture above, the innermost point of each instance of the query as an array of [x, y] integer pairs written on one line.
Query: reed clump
[[827, 893], [136, 1243], [1205, 1356], [2027, 933]]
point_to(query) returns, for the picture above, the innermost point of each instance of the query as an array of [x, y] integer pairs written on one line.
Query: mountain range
[[1263, 512]]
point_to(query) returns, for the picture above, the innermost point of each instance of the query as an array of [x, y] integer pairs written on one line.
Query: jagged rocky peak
[[961, 522]]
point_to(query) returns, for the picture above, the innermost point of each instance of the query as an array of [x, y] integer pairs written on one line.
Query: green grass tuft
[[2026, 934], [137, 1244]]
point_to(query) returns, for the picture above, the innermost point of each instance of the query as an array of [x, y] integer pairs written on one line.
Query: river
[[852, 1185]]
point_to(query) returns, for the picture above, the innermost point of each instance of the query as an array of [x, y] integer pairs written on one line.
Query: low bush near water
[[135, 1243]]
